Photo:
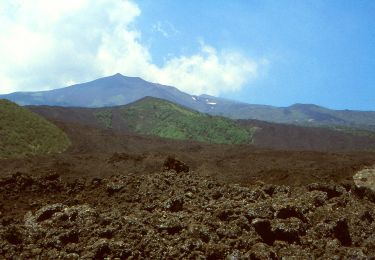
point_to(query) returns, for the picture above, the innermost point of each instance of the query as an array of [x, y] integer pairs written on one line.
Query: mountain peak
[[118, 75], [304, 106]]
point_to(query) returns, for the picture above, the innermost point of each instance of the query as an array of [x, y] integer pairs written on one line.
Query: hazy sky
[[268, 52]]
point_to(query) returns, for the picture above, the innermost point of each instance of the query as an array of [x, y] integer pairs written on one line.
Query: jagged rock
[[174, 204], [332, 190], [48, 211], [72, 256], [199, 231], [173, 164], [229, 231], [260, 251], [283, 211], [215, 251], [224, 214], [100, 249], [153, 218], [365, 178], [235, 255], [317, 198], [341, 232], [71, 236], [114, 187], [263, 228], [13, 235], [171, 225], [272, 190], [260, 210], [217, 194], [288, 230]]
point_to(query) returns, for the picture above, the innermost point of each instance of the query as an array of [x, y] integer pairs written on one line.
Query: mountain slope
[[158, 117], [293, 137], [300, 114], [153, 116], [108, 91], [120, 90], [23, 133]]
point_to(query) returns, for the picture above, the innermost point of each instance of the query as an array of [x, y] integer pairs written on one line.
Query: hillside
[[293, 137], [118, 90], [164, 119], [158, 117], [23, 133], [299, 114]]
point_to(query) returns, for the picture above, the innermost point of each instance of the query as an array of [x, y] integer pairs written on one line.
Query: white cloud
[[208, 72], [49, 44], [165, 28], [158, 27]]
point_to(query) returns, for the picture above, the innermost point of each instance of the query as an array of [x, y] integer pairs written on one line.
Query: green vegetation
[[23, 133], [104, 117], [158, 117]]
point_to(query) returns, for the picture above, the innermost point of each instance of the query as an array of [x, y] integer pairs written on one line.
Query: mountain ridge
[[121, 90], [157, 117]]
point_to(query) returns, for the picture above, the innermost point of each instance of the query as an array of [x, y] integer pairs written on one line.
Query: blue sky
[[264, 52], [319, 52]]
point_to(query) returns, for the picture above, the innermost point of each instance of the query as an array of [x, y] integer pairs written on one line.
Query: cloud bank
[[49, 44]]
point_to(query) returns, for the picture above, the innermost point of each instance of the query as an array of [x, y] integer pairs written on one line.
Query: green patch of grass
[[158, 117], [25, 133], [104, 117]]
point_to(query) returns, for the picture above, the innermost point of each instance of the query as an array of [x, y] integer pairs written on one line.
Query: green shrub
[[104, 117]]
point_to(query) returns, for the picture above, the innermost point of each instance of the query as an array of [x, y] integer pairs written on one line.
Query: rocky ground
[[114, 195], [176, 213]]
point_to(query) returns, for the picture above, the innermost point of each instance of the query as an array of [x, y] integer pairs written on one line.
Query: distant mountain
[[108, 91], [23, 133], [300, 114], [121, 90], [153, 116]]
